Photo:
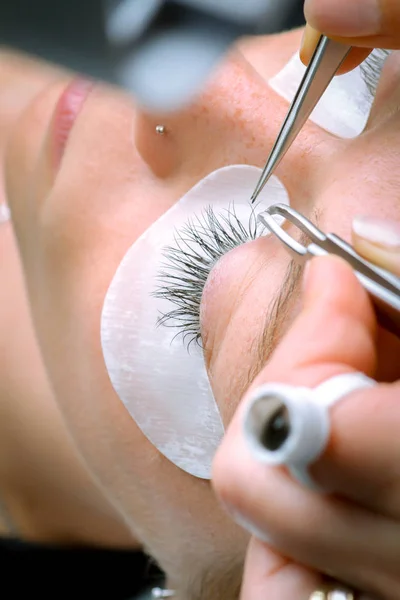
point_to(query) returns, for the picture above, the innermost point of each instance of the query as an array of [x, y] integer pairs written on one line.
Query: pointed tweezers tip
[[253, 197]]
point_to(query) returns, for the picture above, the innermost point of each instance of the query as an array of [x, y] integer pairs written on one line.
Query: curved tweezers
[[383, 287]]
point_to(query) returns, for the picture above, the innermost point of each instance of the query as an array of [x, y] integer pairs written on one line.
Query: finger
[[326, 534], [309, 43], [362, 23], [360, 460], [378, 240], [269, 575], [336, 539]]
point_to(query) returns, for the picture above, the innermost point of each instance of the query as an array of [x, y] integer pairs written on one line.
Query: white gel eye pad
[[163, 385], [343, 109]]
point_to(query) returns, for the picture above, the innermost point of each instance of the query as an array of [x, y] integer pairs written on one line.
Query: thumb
[[367, 23], [309, 43], [364, 24]]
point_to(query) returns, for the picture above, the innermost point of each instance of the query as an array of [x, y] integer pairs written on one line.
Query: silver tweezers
[[326, 60], [383, 287]]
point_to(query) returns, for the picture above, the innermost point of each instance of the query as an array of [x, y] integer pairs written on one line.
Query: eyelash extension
[[371, 69], [197, 248]]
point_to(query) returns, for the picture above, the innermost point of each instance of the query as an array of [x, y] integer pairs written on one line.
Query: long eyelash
[[188, 263], [371, 69]]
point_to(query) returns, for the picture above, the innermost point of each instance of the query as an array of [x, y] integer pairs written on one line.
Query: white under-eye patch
[[163, 385], [343, 109], [5, 214]]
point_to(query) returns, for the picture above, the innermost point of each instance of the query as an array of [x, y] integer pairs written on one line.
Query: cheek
[[104, 197], [99, 203]]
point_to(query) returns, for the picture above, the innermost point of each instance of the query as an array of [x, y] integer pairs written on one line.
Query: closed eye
[[188, 262]]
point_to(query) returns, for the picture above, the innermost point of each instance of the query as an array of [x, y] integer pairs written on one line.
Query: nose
[[235, 121]]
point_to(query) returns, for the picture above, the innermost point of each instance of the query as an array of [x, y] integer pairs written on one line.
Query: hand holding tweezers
[[383, 287], [325, 62]]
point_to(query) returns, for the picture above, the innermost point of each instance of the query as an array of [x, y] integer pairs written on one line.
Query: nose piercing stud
[[161, 130]]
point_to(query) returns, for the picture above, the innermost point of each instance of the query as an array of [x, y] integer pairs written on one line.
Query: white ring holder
[[290, 426]]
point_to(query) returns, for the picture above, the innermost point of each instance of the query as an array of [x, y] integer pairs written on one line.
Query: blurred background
[[73, 32]]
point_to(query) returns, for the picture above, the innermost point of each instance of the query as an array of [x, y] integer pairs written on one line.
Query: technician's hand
[[365, 24], [353, 535]]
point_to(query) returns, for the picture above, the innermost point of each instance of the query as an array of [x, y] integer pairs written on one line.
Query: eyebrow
[[279, 315], [278, 318]]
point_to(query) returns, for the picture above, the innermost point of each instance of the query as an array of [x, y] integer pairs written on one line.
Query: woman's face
[[76, 218]]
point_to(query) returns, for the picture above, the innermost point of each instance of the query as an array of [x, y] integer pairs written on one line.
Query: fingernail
[[5, 214], [378, 240], [308, 43], [380, 232], [343, 18]]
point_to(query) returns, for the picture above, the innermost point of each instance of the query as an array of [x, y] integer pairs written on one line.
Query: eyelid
[[209, 234], [198, 247]]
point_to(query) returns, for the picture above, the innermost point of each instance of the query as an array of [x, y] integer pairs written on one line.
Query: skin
[[46, 491], [112, 183]]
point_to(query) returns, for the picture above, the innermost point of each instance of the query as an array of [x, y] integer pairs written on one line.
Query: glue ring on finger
[[290, 426]]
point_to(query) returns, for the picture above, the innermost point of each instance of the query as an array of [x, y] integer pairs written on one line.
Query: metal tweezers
[[325, 62], [383, 287]]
